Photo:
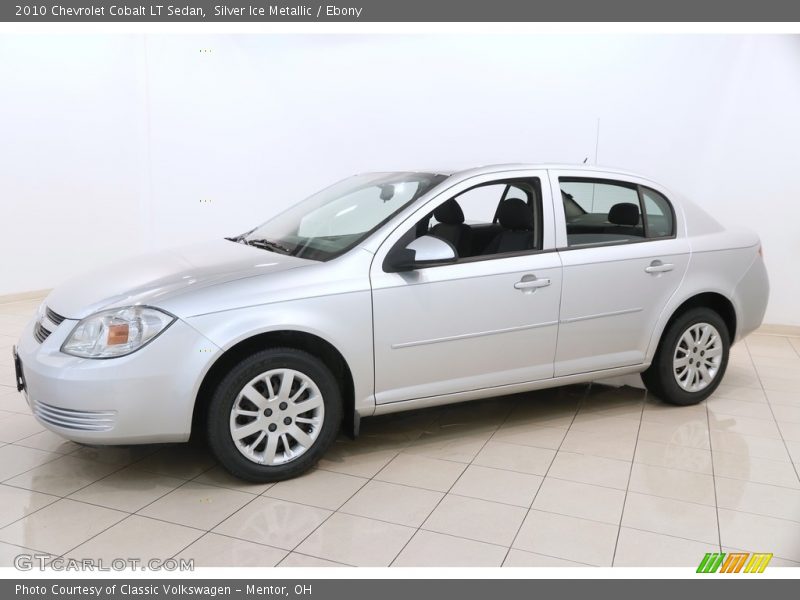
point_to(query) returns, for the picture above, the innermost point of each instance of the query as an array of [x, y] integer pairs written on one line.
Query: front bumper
[[145, 397]]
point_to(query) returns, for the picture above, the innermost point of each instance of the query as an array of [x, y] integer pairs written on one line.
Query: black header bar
[[144, 11]]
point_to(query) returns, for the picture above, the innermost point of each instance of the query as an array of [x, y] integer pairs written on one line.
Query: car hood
[[155, 277]]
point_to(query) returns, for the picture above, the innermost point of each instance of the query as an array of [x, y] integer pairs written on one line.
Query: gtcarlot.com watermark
[[42, 562]]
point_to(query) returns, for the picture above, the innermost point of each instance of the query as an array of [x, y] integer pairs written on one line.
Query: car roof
[[493, 168], [463, 173]]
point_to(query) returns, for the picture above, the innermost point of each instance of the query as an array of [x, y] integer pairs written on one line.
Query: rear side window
[[601, 212], [658, 214], [599, 197]]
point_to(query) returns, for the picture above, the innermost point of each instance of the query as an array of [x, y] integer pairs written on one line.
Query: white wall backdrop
[[110, 145]]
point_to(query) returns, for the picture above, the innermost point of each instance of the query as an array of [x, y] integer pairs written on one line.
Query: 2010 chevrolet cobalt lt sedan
[[388, 292]]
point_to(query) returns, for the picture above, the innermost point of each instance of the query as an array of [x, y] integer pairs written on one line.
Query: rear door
[[624, 254]]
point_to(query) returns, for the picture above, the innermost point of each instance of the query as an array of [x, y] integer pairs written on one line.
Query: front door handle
[[659, 267], [530, 283]]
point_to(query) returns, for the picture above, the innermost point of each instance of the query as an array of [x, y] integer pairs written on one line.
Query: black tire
[[219, 435], [659, 378]]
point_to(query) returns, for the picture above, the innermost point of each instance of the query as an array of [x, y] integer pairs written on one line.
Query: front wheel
[[274, 415], [691, 358]]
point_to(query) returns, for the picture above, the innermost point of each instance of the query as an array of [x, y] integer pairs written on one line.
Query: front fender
[[342, 320]]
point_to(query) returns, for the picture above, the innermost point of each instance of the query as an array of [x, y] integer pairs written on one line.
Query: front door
[[487, 320]]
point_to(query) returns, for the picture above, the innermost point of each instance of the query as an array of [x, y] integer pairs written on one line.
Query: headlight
[[116, 332]]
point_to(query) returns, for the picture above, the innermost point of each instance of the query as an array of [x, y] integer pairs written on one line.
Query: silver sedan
[[389, 292]]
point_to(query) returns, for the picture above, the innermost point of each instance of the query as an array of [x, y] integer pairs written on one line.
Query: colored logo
[[734, 562]]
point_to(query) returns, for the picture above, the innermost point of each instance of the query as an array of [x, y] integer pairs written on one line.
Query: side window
[[599, 212], [515, 191], [497, 218], [658, 214], [479, 204]]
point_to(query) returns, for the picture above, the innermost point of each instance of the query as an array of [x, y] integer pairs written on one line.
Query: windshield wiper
[[268, 245]]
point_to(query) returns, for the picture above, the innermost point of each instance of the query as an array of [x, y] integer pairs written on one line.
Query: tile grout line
[[126, 513], [775, 420], [4, 482], [288, 554], [714, 480], [137, 511], [127, 516], [457, 479], [711, 448], [460, 462], [325, 520], [628, 484], [434, 418], [555, 454], [207, 531], [204, 534]]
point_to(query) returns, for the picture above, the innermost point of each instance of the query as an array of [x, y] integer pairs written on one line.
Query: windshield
[[334, 220]]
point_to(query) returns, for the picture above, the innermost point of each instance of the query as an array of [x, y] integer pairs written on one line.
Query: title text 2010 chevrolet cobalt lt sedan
[[389, 292]]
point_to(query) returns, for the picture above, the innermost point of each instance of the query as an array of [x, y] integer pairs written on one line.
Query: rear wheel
[[274, 415], [691, 358]]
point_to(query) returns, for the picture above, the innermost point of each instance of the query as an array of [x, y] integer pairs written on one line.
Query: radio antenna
[[597, 141]]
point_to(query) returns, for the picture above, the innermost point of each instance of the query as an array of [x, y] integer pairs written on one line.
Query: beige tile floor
[[581, 475]]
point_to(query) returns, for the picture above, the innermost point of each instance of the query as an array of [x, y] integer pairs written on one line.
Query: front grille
[[55, 318], [40, 333], [82, 420]]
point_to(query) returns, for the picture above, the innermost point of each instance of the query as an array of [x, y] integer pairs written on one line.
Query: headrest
[[449, 213], [515, 214], [624, 213]]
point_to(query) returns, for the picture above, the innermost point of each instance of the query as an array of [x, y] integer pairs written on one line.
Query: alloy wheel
[[697, 357], [277, 417]]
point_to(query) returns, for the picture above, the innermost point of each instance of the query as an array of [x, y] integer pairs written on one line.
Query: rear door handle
[[659, 267], [530, 283]]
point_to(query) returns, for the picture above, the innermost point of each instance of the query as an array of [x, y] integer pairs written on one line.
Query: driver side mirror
[[425, 251]]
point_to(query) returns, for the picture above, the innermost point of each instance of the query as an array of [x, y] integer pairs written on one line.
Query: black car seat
[[451, 226], [624, 218], [516, 219]]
